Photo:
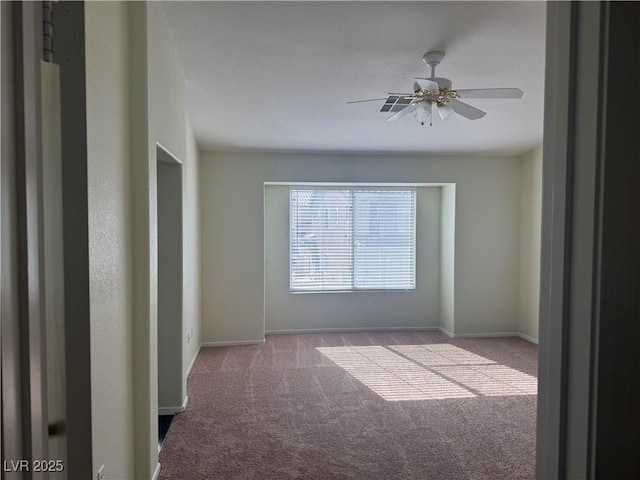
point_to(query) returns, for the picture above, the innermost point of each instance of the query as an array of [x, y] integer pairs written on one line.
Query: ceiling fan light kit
[[436, 93]]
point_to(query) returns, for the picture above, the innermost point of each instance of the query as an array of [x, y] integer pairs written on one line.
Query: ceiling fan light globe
[[423, 113], [444, 111]]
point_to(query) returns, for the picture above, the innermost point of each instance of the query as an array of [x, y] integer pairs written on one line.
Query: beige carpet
[[358, 406]]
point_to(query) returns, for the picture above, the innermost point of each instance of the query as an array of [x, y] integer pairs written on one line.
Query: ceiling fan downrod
[[432, 60]]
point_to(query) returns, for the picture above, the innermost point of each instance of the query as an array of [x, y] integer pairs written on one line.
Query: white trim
[[349, 196], [174, 410], [528, 338], [446, 332], [169, 153], [360, 184], [264, 258], [351, 330], [357, 290], [485, 335], [232, 343], [156, 472], [193, 361], [488, 335]]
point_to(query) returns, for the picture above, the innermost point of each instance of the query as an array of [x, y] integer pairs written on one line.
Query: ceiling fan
[[434, 94]]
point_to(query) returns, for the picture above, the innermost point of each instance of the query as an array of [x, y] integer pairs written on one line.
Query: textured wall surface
[[110, 248], [135, 99]]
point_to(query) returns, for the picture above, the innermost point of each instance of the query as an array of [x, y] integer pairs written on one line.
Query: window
[[352, 239]]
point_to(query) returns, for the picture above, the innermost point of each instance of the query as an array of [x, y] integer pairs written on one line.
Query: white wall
[[144, 246], [417, 308], [530, 238], [160, 84], [448, 258], [191, 261], [135, 98], [110, 248], [487, 234]]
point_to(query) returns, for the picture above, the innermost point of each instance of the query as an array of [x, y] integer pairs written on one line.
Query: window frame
[[352, 187]]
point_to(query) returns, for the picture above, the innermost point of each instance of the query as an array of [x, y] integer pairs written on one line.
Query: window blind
[[352, 239]]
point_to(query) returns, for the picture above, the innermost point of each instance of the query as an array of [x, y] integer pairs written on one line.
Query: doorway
[[171, 387]]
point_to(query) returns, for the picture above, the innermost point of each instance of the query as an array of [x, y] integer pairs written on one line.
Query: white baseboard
[[481, 335], [193, 361], [446, 332], [174, 410], [156, 472], [486, 335], [232, 343], [350, 330], [528, 338], [361, 330]]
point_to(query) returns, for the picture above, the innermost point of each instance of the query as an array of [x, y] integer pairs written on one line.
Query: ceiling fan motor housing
[[442, 82]]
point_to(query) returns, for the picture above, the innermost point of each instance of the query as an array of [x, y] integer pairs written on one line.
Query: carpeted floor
[[358, 406]]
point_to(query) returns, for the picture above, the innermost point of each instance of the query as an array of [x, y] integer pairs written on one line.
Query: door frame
[[588, 363], [28, 352], [23, 236]]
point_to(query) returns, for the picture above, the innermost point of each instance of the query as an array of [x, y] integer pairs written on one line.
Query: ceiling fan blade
[[490, 93], [426, 84], [370, 100], [444, 111], [405, 111], [466, 110]]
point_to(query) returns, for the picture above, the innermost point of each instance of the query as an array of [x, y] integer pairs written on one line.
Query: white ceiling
[[278, 75]]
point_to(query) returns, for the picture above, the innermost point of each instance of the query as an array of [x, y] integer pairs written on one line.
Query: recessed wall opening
[[170, 283], [422, 306]]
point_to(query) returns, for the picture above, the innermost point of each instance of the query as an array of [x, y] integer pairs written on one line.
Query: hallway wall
[[110, 237], [135, 98]]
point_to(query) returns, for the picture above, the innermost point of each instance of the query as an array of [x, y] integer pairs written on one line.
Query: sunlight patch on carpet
[[440, 354], [429, 372], [391, 376]]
